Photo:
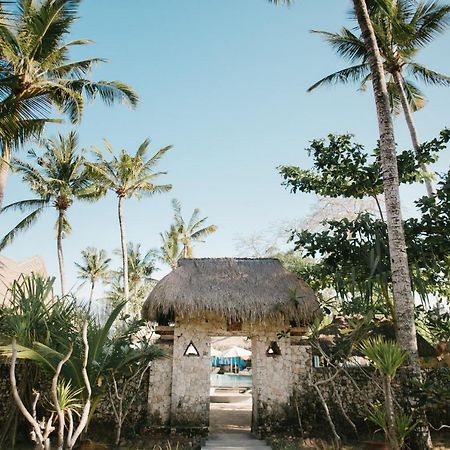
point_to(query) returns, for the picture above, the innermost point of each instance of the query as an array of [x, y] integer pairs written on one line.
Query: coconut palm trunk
[[4, 170], [59, 239], [401, 282], [123, 244], [91, 295], [412, 129]]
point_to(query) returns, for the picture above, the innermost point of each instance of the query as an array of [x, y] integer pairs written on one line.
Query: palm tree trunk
[[412, 129], [60, 250], [123, 244], [401, 282], [91, 295], [4, 169]]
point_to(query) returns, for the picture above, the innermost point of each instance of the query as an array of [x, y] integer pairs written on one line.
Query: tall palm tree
[[94, 268], [128, 177], [192, 231], [402, 28], [58, 177], [37, 74], [401, 282]]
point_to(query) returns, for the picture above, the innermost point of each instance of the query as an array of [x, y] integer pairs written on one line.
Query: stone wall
[[179, 391], [190, 377], [272, 381], [159, 396]]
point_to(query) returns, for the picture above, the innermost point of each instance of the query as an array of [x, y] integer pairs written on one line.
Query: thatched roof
[[237, 288]]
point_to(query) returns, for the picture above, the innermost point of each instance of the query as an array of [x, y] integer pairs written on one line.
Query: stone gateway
[[201, 298]]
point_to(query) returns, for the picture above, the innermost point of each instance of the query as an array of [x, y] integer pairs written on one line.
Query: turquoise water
[[231, 380]]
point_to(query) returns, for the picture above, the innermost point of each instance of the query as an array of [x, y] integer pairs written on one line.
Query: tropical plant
[[33, 314], [59, 177], [192, 231], [402, 28], [128, 177], [94, 268], [63, 402], [37, 73], [130, 361], [387, 357], [46, 327]]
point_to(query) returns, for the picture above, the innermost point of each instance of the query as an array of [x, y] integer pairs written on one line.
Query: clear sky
[[224, 81]]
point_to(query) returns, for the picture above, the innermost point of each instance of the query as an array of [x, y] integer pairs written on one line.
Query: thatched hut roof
[[236, 288], [11, 270]]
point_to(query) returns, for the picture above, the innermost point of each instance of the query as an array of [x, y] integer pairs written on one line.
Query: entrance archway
[[203, 298]]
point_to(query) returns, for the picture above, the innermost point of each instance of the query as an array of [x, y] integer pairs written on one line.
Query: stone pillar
[[301, 357], [190, 379], [272, 386], [160, 382]]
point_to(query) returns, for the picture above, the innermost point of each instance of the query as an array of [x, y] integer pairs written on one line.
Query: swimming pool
[[231, 380]]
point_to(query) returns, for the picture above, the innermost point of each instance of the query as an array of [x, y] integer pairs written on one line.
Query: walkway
[[230, 423], [234, 441]]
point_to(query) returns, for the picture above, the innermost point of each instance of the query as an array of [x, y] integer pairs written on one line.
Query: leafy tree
[[192, 231], [402, 29], [128, 177], [58, 177], [94, 268], [37, 74]]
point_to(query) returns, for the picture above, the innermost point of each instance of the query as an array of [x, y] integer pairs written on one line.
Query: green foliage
[[178, 241], [33, 314], [37, 73], [386, 356], [192, 231], [403, 423], [127, 175], [58, 177], [352, 255], [402, 28], [342, 168], [46, 326]]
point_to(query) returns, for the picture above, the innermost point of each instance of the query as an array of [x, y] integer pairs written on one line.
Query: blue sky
[[224, 82]]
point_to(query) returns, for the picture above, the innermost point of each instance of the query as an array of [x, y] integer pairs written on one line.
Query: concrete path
[[230, 421]]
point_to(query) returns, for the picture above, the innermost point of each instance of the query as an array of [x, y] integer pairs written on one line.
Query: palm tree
[[402, 28], [169, 252], [128, 177], [192, 231], [94, 268], [141, 266], [401, 282], [37, 74], [59, 177]]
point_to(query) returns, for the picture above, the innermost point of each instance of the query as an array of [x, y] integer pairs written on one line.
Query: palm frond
[[350, 74], [21, 227]]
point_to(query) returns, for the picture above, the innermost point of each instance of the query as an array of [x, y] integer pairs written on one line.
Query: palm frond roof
[[244, 289]]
